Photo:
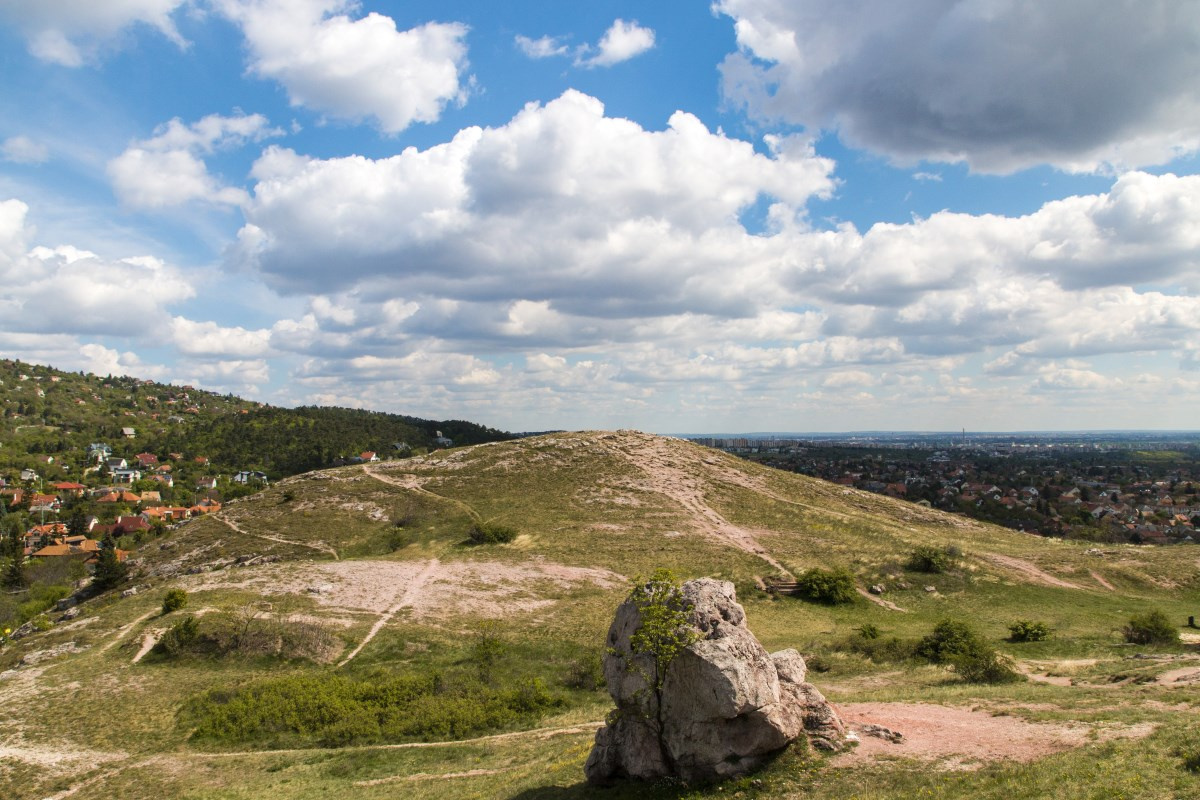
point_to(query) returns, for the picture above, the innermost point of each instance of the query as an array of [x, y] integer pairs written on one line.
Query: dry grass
[[592, 510]]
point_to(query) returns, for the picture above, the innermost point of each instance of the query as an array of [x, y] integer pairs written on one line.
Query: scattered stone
[[931, 589], [22, 631], [880, 732], [725, 704], [38, 656], [320, 588], [876, 589], [65, 603], [903, 585], [70, 614], [130, 592]]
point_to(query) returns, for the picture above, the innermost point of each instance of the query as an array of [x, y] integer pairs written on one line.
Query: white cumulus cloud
[[354, 68], [621, 42], [543, 47], [999, 85], [167, 169]]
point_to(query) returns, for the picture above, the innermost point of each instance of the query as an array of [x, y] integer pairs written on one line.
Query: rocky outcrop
[[723, 706]]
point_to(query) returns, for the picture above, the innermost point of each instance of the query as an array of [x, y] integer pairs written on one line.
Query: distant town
[[1104, 486]]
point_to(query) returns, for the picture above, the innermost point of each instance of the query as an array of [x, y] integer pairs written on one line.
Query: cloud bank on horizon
[[756, 216]]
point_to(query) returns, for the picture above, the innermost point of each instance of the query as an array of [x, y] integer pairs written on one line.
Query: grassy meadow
[[476, 675]]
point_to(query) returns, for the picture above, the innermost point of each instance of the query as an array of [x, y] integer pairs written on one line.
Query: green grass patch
[[335, 710]]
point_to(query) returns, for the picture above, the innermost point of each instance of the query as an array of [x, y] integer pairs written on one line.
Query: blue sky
[[680, 216]]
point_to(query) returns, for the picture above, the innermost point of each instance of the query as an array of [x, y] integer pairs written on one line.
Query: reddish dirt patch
[[960, 738], [1030, 572]]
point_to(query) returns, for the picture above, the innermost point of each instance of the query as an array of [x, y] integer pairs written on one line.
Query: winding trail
[[124, 629], [413, 484], [654, 457], [319, 546], [1029, 571], [148, 641], [407, 599], [879, 601]]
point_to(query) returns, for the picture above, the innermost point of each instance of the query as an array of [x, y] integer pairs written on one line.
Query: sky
[[743, 215]]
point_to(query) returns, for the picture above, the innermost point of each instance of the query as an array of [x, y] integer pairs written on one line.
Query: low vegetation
[[174, 600], [491, 533], [246, 633], [931, 559], [957, 645], [1024, 630], [334, 710], [1151, 627], [829, 586]]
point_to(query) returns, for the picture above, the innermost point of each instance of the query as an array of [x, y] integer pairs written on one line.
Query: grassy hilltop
[[347, 638]]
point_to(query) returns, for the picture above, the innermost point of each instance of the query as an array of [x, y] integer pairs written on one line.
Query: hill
[[348, 639], [50, 417]]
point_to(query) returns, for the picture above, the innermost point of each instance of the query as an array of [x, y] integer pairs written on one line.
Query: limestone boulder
[[723, 707]]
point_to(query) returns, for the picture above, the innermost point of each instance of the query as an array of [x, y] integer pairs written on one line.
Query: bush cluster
[[957, 645], [1024, 630], [334, 710], [491, 533], [1152, 627], [243, 635], [174, 600], [832, 587], [928, 558], [586, 672]]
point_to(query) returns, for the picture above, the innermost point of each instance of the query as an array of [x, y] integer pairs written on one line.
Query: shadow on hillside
[[624, 790]]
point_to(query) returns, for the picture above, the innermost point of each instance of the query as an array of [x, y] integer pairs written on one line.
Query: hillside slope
[[364, 572]]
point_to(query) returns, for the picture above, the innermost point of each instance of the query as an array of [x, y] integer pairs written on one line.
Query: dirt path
[[1098, 578], [319, 546], [879, 601], [960, 738], [409, 597], [1186, 675], [148, 642], [1029, 572], [654, 456], [124, 629], [534, 733], [414, 483], [433, 776]]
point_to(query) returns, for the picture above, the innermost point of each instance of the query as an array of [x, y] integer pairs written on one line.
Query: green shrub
[[1024, 630], [950, 637], [487, 649], [928, 558], [868, 631], [985, 666], [334, 710], [174, 600], [882, 649], [957, 645], [491, 533], [586, 672], [832, 587], [179, 638], [1152, 627]]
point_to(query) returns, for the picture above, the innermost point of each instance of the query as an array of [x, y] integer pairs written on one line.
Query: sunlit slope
[[377, 559]]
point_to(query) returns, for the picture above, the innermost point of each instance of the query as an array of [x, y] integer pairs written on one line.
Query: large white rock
[[725, 706]]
